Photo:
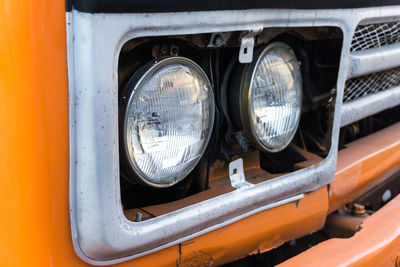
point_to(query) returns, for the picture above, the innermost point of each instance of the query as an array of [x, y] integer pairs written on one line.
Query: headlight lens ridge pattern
[[169, 121], [275, 97]]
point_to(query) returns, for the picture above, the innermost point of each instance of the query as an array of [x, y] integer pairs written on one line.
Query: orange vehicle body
[[377, 244], [34, 155]]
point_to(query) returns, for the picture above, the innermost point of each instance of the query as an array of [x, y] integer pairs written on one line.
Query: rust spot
[[197, 259]]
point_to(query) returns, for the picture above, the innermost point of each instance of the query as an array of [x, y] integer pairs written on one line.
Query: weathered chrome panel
[[374, 60], [101, 233], [370, 105]]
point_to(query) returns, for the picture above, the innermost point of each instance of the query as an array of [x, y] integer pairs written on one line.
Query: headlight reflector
[[168, 120], [273, 97]]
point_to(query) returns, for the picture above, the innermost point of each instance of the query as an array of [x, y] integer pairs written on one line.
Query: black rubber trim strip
[[160, 6]]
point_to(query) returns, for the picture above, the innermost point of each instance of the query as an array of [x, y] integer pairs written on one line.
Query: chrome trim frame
[[101, 234]]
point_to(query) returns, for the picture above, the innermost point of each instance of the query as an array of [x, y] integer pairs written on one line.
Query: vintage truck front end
[[153, 133]]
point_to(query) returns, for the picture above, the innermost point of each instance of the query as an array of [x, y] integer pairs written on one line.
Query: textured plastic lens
[[275, 97], [169, 121]]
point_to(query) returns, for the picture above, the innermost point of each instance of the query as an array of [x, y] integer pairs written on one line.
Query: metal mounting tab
[[247, 46], [236, 174]]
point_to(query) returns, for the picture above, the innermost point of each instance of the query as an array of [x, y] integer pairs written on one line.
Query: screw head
[[359, 209], [218, 41]]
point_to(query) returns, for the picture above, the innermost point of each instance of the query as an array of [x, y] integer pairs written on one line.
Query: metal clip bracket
[[247, 46], [236, 174]]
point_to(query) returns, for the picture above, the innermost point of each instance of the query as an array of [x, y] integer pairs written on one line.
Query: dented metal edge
[[101, 233], [365, 106]]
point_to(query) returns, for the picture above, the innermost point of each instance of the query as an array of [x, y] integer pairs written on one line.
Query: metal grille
[[375, 35], [369, 84]]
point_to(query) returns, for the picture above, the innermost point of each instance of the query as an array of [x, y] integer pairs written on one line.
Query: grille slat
[[375, 35]]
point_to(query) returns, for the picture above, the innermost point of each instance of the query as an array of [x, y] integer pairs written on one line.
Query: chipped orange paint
[[364, 164], [376, 244], [262, 231]]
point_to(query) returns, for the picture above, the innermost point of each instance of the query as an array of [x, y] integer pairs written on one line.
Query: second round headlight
[[271, 97], [168, 120]]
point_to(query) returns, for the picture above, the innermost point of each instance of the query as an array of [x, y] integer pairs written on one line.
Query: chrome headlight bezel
[[101, 234]]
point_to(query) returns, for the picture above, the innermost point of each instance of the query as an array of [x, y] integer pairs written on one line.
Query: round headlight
[[168, 120], [271, 96]]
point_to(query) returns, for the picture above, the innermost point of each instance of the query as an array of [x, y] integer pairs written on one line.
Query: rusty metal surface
[[345, 222], [376, 244]]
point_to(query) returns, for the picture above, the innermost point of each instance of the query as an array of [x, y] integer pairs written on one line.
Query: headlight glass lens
[[168, 121], [275, 97]]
